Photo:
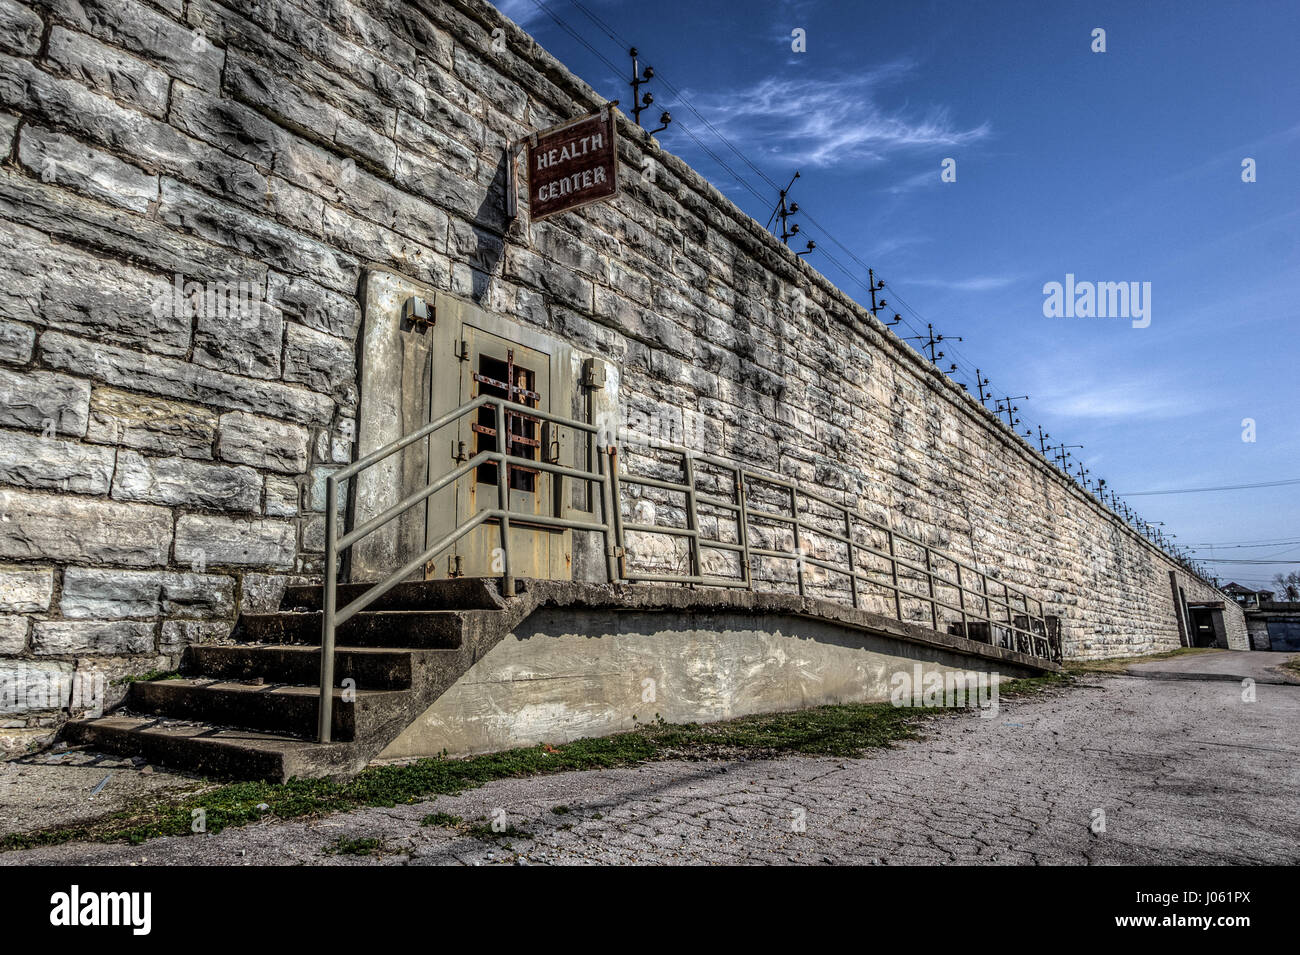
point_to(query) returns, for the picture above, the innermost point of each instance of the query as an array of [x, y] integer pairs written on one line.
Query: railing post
[[988, 610], [607, 511], [798, 550], [1011, 620], [692, 517], [961, 600], [616, 490], [893, 569], [503, 500], [742, 528], [325, 712], [848, 546], [929, 576]]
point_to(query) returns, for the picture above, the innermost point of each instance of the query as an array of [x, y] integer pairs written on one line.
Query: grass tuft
[[364, 846]]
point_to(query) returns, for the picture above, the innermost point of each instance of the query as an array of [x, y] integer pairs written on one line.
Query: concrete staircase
[[247, 708]]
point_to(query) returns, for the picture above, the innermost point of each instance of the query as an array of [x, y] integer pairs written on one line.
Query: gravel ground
[[60, 788], [1184, 772]]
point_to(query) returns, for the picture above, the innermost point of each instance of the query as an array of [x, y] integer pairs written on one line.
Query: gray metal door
[[506, 369]]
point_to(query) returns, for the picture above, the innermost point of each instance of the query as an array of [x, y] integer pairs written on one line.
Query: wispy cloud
[[522, 12], [1117, 401], [924, 178], [829, 122], [980, 283]]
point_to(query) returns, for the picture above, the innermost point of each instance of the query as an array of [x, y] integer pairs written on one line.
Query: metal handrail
[[1034, 636], [333, 617]]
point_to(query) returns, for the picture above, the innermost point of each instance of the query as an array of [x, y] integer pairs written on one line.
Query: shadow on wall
[[490, 224]]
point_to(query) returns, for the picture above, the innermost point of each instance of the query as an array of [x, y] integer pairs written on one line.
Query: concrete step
[[461, 593], [288, 710], [415, 643], [429, 630], [205, 750], [372, 668]]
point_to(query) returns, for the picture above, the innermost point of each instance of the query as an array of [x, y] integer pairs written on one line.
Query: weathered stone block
[[28, 460], [150, 424], [282, 495], [177, 379], [40, 400], [262, 592], [94, 593], [53, 283], [109, 70], [16, 342], [245, 338], [35, 685], [8, 127], [197, 595], [24, 590], [13, 634], [45, 526], [321, 362], [222, 541], [313, 534], [179, 634], [180, 481], [314, 306], [20, 28], [61, 159], [65, 637], [263, 442], [186, 208], [182, 52]]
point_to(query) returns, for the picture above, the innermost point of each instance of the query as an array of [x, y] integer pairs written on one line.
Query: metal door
[[495, 366]]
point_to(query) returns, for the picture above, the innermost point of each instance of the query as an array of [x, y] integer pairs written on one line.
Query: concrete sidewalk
[[1116, 770], [1230, 665]]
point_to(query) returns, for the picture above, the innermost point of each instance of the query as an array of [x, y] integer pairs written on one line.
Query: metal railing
[[333, 616], [994, 612], [977, 619]]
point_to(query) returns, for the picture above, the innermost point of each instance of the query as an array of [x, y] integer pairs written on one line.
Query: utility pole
[[638, 80], [1062, 455], [1004, 405], [930, 340], [1042, 440], [980, 382], [873, 286], [783, 211]]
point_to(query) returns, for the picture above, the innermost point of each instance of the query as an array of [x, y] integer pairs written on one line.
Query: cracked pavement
[[1185, 772]]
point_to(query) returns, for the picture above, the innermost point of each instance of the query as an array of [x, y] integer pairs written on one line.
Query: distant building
[[1247, 597]]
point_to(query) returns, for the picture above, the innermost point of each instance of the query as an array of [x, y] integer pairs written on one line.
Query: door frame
[[399, 392]]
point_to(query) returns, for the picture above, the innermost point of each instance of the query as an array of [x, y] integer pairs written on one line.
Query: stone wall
[[189, 193]]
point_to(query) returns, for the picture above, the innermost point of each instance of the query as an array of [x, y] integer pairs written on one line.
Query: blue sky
[[1115, 166]]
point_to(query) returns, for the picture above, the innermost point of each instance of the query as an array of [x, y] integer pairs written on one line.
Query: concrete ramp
[[452, 666]]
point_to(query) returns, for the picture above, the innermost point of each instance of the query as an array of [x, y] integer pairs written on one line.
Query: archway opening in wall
[[1208, 629]]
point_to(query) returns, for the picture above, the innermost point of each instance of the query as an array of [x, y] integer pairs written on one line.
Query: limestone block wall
[[190, 191]]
